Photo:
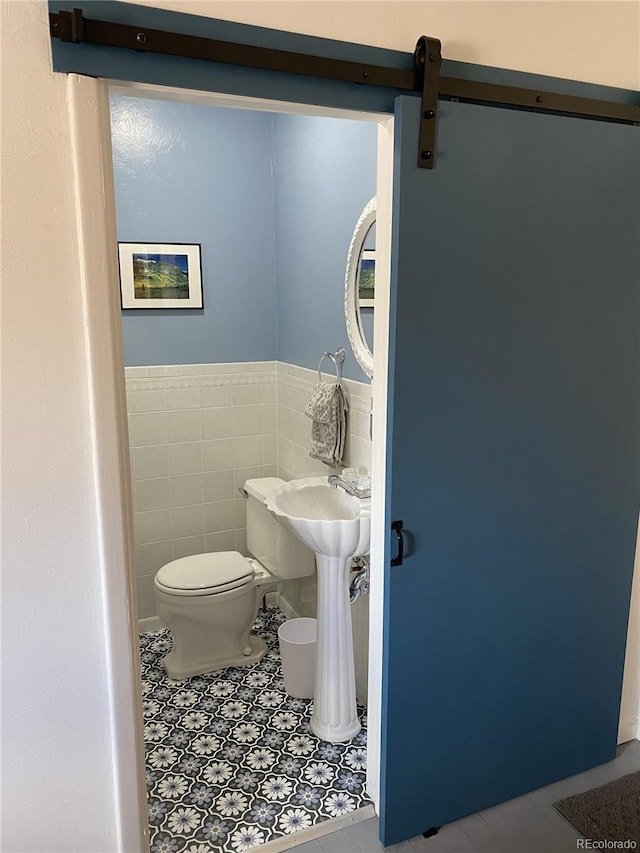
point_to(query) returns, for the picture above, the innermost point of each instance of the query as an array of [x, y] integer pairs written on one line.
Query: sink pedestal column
[[334, 717]]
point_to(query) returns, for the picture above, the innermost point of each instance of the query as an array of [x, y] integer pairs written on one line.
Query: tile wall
[[295, 385], [196, 433]]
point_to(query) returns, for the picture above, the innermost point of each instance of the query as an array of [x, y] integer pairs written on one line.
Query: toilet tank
[[267, 540]]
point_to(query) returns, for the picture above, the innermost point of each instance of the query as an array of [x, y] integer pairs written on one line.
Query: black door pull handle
[[396, 526]]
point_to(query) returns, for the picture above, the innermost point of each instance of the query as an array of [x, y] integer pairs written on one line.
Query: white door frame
[[88, 105], [89, 118]]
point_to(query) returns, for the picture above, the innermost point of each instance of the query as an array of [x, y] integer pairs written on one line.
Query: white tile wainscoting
[[294, 387], [196, 433]]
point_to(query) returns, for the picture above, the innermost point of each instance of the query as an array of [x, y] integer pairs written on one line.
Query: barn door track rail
[[425, 76]]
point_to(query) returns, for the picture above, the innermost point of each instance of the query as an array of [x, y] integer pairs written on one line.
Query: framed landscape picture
[[367, 279], [160, 275]]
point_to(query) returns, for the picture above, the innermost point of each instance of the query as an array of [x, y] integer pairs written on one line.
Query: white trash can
[[297, 638]]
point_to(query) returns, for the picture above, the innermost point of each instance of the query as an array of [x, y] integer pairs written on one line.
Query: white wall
[[59, 784], [592, 40], [58, 788]]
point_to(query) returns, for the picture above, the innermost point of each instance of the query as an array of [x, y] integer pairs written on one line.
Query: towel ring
[[337, 358]]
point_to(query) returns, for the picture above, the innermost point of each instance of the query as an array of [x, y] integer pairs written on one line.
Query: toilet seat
[[205, 574]]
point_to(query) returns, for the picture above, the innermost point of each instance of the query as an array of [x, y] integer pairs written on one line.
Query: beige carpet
[[608, 813]]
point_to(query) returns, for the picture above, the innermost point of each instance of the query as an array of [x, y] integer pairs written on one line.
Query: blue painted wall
[[325, 172], [273, 200], [195, 174]]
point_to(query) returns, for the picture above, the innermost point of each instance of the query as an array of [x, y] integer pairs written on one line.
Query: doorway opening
[[207, 412]]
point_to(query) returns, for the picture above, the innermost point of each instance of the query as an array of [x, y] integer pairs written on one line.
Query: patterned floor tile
[[231, 760]]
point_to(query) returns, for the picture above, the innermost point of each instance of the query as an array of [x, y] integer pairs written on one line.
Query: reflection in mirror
[[366, 284], [359, 294]]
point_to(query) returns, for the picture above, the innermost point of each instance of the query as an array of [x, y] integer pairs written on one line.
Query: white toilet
[[210, 601]]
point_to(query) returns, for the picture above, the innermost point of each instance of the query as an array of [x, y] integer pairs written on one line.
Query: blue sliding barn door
[[514, 451]]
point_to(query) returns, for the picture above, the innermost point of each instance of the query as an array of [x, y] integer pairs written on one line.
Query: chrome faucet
[[350, 486]]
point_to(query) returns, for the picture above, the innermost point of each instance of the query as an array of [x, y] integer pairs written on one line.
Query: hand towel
[[328, 409]]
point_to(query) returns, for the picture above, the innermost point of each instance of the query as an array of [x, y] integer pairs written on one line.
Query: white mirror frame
[[359, 345]]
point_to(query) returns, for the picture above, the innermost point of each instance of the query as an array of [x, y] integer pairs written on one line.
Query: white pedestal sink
[[337, 527]]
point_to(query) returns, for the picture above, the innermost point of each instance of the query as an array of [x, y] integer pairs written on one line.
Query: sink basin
[[326, 519], [337, 527]]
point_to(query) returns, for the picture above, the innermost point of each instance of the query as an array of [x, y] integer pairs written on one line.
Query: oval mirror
[[359, 288]]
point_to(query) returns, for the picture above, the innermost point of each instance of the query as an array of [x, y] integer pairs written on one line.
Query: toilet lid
[[205, 574]]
